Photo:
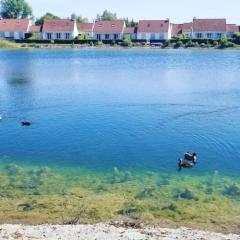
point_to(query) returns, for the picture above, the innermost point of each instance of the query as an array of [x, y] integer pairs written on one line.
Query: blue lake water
[[138, 109]]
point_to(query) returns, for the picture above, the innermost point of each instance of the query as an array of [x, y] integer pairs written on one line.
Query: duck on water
[[190, 159]]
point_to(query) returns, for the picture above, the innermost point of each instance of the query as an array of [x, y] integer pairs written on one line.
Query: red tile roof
[[232, 28], [177, 29], [129, 30], [35, 28], [85, 27], [154, 26], [58, 25], [187, 27], [14, 25], [209, 25], [116, 26]]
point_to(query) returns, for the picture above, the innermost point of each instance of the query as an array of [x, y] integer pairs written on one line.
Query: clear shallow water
[[109, 125], [123, 108]]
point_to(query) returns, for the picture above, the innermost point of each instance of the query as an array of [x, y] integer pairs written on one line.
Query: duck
[[190, 157], [26, 124], [183, 163]]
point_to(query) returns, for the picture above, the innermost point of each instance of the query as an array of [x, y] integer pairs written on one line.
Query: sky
[[176, 10]]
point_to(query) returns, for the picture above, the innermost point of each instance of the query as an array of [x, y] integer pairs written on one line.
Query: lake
[[106, 121]]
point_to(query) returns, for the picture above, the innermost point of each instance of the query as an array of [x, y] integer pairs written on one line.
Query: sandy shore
[[105, 231]]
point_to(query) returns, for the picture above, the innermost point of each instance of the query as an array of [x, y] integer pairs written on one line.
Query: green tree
[[15, 9], [78, 18], [107, 15], [48, 15], [130, 23]]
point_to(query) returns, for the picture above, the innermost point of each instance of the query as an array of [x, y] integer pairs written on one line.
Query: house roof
[[177, 29], [187, 27], [35, 28], [155, 26], [115, 26], [14, 25], [58, 25], [129, 30], [209, 25], [85, 27], [232, 28]]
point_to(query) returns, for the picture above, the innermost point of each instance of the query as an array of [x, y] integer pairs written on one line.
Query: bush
[[34, 37], [215, 43], [190, 44], [167, 43], [127, 42], [178, 44], [236, 37], [82, 37]]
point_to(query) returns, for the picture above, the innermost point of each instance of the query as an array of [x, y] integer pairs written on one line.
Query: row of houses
[[149, 30]]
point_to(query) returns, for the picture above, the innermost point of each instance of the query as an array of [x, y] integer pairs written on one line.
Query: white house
[[209, 28], [109, 30], [14, 28], [59, 29], [154, 30]]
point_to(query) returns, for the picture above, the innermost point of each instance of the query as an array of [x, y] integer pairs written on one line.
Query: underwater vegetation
[[34, 194]]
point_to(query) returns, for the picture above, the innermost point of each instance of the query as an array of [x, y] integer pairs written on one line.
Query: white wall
[[154, 36], [111, 36], [214, 35], [54, 35]]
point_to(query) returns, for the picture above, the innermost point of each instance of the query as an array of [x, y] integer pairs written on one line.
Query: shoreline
[[116, 230]]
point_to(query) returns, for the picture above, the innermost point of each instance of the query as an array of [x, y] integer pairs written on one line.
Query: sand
[[106, 231]]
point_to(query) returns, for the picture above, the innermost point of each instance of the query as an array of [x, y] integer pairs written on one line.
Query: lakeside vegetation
[[83, 41], [35, 195]]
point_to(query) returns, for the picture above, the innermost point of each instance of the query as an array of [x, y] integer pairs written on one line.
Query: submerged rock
[[232, 190], [187, 194], [24, 207], [146, 193], [171, 207], [13, 169]]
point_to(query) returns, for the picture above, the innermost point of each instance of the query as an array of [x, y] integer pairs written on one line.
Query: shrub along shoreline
[[175, 43]]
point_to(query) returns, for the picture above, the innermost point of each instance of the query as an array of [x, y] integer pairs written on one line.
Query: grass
[[69, 195], [4, 44]]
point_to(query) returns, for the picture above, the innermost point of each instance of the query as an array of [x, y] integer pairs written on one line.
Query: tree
[[79, 19], [107, 15], [48, 15], [15, 9], [129, 23]]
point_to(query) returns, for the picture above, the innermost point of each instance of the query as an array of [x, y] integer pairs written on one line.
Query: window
[[98, 36], [107, 36], [219, 35], [49, 36], [58, 35], [199, 35], [209, 35], [115, 36], [67, 35], [148, 25]]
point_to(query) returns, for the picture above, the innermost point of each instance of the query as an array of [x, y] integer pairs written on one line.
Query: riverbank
[[106, 231], [5, 44]]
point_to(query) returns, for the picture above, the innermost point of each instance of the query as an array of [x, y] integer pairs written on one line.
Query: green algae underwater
[[36, 194]]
